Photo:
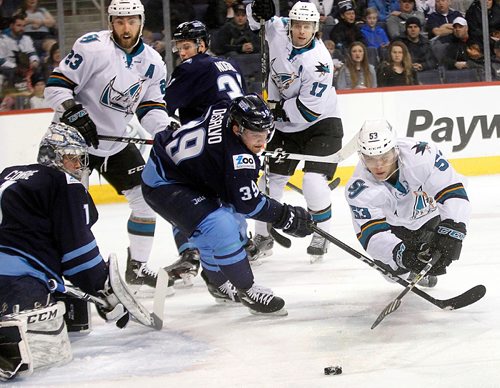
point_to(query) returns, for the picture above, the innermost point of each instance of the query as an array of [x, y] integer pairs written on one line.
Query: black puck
[[333, 370]]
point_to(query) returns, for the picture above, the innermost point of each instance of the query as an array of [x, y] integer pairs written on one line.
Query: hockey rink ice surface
[[331, 306]]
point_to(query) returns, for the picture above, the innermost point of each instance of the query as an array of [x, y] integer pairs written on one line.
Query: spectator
[[425, 6], [7, 9], [219, 12], [373, 35], [326, 15], [336, 54], [463, 52], [384, 8], [474, 18], [357, 73], [397, 19], [18, 58], [37, 101], [418, 45], [52, 61], [398, 70], [39, 23], [439, 23], [236, 37], [495, 61], [346, 31]]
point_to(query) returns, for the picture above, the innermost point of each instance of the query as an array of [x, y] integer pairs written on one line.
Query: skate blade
[[315, 259], [280, 313], [227, 302], [186, 281]]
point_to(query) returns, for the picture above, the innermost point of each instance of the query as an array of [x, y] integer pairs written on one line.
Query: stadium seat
[[461, 76], [429, 77]]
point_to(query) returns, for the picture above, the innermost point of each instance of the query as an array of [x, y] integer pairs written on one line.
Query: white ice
[[331, 306]]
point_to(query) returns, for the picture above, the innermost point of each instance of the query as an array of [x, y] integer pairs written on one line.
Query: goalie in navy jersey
[[202, 179], [198, 82], [45, 238], [407, 203]]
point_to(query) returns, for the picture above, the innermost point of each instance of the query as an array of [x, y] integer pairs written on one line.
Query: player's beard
[[126, 43]]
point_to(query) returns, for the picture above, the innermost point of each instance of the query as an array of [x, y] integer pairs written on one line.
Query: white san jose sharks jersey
[[112, 85], [427, 186], [302, 77]]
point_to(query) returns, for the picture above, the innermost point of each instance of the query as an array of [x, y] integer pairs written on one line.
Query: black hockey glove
[[279, 113], [78, 117], [114, 311], [263, 9], [447, 240], [295, 221], [416, 259]]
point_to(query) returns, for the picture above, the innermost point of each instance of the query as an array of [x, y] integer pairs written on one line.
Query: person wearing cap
[[418, 45], [440, 22], [384, 8], [235, 36], [463, 52], [346, 31], [396, 21], [37, 100]]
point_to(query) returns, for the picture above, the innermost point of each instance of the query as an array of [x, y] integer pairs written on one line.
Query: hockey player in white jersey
[[407, 202], [304, 104], [106, 78]]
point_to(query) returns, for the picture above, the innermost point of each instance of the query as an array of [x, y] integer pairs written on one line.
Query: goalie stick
[[457, 302]]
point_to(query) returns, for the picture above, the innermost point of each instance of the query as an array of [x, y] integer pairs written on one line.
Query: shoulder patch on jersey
[[244, 161], [322, 68], [421, 147]]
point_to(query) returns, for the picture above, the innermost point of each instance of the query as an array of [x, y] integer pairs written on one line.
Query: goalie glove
[[114, 311]]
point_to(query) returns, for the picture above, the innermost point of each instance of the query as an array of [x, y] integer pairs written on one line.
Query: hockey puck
[[333, 370]]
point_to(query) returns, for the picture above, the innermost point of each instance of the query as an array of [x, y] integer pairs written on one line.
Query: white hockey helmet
[[376, 137], [60, 140], [126, 8], [304, 12]]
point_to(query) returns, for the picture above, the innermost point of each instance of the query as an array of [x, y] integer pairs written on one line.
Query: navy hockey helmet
[[193, 30], [252, 113], [60, 140]]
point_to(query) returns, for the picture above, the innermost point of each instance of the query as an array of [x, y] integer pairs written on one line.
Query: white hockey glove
[[114, 311]]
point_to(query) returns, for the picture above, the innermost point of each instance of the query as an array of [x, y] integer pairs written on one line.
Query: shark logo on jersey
[[244, 161], [121, 101], [421, 147], [282, 80], [423, 205], [322, 68]]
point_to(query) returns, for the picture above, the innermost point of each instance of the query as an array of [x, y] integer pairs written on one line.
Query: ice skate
[[261, 301], [225, 293], [317, 248], [428, 281], [142, 279], [264, 245], [253, 253], [185, 268]]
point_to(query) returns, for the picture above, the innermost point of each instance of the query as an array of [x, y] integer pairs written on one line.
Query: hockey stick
[[394, 305], [332, 185], [465, 299]]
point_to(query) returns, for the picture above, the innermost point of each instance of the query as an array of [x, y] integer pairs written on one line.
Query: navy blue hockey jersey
[[200, 82], [45, 221], [208, 157]]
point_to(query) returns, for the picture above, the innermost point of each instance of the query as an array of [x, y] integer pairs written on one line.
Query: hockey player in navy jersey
[[45, 238], [107, 77], [202, 179], [300, 87], [407, 202], [198, 82]]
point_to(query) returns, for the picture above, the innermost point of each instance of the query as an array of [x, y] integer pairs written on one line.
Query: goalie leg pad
[[15, 355]]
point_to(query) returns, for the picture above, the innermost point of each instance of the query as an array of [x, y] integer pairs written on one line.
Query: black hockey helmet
[[193, 30], [251, 112]]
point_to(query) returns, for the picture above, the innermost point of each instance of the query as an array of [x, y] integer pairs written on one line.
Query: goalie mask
[[64, 148]]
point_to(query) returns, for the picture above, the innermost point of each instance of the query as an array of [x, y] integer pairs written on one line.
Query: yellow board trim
[[103, 194]]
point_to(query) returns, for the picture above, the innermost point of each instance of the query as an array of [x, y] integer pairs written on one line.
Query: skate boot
[[185, 268], [225, 293], [428, 281], [317, 248], [261, 301], [253, 252], [264, 245], [142, 279]]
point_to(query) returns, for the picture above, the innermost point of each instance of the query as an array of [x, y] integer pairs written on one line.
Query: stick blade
[[389, 309]]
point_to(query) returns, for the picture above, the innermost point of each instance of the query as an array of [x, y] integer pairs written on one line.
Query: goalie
[[45, 220]]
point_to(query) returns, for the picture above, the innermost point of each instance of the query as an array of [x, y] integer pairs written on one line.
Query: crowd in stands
[[373, 43]]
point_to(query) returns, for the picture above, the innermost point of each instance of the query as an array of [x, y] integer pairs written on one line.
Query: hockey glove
[[448, 241], [263, 9], [295, 221], [115, 311], [78, 117], [279, 113]]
